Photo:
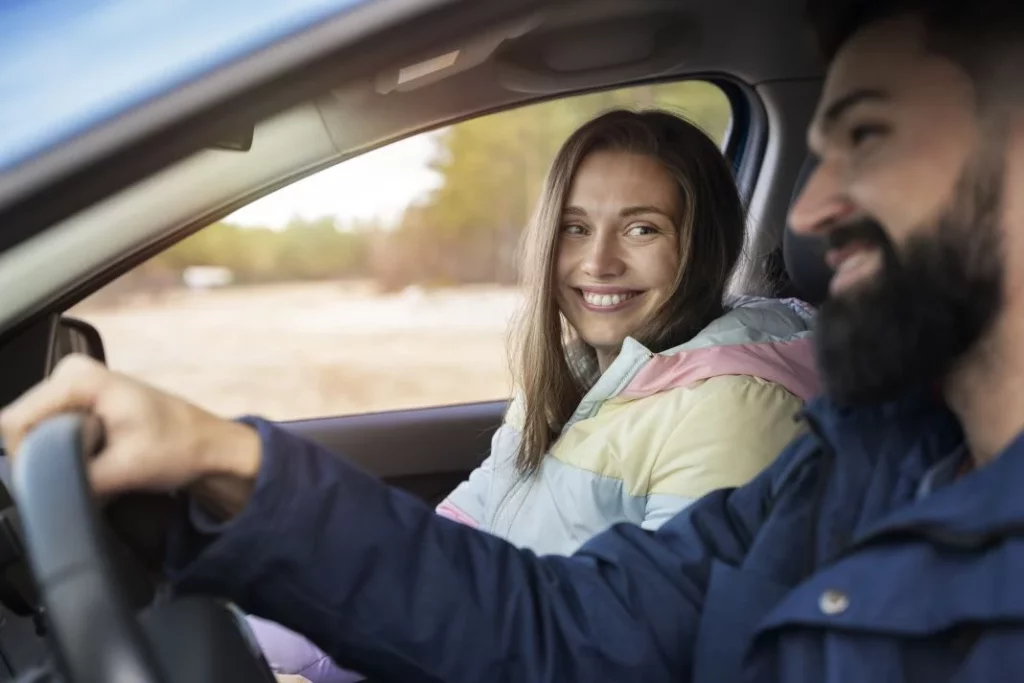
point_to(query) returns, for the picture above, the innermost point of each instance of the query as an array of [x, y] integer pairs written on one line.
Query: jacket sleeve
[[732, 428], [467, 504], [376, 579], [288, 652]]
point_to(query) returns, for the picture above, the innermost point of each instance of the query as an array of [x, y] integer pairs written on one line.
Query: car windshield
[[57, 80]]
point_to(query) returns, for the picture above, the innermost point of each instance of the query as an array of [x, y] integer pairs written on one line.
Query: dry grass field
[[306, 350]]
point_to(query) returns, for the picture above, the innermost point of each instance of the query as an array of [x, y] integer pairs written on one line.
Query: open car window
[[385, 282]]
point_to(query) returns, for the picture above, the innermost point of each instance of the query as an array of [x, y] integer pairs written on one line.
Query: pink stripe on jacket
[[789, 364], [447, 509]]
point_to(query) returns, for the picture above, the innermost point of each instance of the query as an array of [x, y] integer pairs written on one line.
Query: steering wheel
[[86, 593], [96, 633]]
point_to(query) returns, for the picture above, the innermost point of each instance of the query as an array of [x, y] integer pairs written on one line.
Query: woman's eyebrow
[[627, 212], [641, 210]]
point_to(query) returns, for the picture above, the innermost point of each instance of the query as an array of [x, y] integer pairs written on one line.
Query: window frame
[[744, 144]]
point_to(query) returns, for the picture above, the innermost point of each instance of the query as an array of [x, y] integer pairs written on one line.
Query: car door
[[425, 451]]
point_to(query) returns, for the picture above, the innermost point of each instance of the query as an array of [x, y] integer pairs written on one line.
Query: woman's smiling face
[[618, 251]]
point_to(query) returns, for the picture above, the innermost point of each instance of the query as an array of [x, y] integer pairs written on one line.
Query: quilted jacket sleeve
[[389, 588]]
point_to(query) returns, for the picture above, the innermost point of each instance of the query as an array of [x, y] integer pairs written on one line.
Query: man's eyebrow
[[838, 108]]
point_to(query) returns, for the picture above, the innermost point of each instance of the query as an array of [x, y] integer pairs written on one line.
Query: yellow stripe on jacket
[[717, 433]]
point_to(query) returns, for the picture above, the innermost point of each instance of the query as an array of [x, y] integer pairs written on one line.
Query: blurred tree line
[[303, 250], [465, 231]]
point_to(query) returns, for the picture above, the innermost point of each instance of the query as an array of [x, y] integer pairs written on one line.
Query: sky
[[379, 184], [160, 45]]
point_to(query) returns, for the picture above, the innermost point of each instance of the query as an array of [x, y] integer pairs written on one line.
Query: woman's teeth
[[608, 300]]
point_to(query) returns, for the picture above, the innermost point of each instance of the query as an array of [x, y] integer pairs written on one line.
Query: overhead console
[[613, 42]]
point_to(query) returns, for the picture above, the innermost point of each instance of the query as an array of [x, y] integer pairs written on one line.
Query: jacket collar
[[969, 513], [910, 435]]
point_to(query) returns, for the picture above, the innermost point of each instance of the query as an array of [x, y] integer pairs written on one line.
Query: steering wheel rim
[[97, 636]]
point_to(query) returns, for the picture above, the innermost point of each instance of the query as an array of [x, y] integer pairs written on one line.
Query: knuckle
[[11, 429], [75, 364], [79, 374]]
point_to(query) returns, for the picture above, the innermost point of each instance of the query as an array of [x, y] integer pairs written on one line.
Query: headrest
[[804, 254]]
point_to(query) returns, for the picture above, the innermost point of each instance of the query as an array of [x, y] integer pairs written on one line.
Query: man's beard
[[927, 306]]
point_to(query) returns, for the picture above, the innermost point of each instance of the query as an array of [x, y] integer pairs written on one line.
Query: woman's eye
[[573, 229], [642, 230], [864, 132]]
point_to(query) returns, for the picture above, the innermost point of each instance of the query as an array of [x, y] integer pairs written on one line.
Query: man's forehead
[[883, 55], [889, 60]]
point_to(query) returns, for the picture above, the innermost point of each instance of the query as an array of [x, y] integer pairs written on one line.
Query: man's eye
[[864, 132]]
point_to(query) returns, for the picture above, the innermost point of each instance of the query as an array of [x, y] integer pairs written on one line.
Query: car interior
[[80, 214]]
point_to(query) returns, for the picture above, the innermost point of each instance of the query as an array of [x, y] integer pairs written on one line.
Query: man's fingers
[[110, 473], [74, 385]]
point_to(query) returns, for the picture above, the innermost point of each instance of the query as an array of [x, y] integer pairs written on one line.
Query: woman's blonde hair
[[553, 368]]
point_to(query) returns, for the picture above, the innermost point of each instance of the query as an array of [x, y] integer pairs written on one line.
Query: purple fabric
[[289, 653]]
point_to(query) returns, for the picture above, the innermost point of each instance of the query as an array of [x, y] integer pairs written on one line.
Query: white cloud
[[379, 184]]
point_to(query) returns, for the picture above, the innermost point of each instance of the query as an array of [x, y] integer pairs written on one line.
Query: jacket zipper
[[627, 378]]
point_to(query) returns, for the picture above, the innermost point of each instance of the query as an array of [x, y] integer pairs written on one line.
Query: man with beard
[[886, 545]]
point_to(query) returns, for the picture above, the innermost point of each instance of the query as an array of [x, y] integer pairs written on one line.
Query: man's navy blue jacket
[[857, 556]]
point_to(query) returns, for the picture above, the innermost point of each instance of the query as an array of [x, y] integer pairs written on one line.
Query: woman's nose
[[603, 258]]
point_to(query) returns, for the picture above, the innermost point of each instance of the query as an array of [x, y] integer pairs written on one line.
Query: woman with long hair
[[638, 387]]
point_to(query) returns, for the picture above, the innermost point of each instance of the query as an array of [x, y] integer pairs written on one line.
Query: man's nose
[[603, 258], [821, 203]]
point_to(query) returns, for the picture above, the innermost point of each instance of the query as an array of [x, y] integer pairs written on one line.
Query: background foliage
[[466, 231]]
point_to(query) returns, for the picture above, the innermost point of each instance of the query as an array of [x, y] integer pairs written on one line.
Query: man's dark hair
[[966, 31]]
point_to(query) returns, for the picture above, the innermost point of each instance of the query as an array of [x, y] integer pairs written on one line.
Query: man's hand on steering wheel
[[153, 441], [150, 442]]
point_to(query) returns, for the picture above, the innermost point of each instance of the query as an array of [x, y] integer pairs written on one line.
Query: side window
[[386, 282]]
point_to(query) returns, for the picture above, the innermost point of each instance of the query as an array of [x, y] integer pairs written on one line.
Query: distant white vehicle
[[413, 294], [207, 277]]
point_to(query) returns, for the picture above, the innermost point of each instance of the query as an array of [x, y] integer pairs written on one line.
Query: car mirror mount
[[72, 335]]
